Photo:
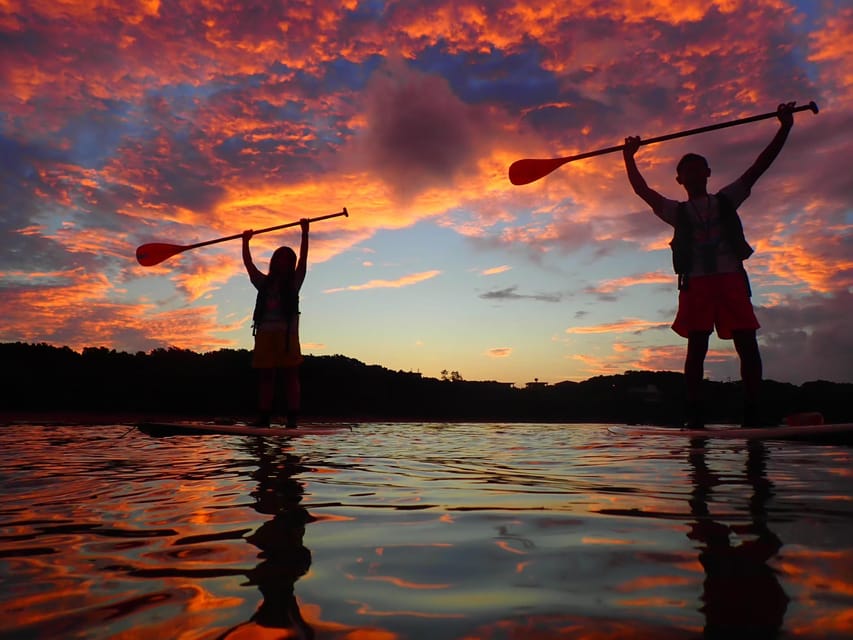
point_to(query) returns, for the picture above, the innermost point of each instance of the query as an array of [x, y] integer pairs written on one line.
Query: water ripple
[[475, 528]]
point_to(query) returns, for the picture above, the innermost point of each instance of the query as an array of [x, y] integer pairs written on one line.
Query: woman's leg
[[293, 394], [266, 393]]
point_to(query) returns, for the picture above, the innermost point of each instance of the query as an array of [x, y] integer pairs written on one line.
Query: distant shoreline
[[45, 384], [95, 418]]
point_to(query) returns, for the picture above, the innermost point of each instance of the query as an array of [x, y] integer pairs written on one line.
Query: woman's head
[[283, 261]]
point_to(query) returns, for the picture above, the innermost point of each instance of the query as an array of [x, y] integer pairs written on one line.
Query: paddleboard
[[842, 432], [196, 427]]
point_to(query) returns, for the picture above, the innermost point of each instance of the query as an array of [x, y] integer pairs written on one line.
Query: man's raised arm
[[638, 183]]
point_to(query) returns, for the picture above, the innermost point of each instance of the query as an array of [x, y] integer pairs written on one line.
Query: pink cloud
[[405, 281]]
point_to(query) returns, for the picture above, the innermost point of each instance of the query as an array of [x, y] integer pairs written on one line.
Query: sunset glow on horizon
[[124, 124]]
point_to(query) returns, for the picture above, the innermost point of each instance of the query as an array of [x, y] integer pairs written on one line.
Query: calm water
[[392, 531]]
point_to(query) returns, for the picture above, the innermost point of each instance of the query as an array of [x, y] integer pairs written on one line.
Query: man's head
[[692, 172]]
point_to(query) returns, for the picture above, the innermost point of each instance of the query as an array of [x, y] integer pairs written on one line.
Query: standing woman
[[275, 325]]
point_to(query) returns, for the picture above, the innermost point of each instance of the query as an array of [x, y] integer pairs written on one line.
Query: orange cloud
[[819, 259], [629, 325], [75, 310], [495, 270], [206, 276], [832, 48], [610, 286]]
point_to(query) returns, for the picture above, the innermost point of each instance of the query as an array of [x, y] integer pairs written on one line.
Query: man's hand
[[785, 113], [247, 235]]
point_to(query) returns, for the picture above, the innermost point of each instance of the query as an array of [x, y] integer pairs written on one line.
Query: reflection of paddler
[[284, 557], [285, 560], [742, 594]]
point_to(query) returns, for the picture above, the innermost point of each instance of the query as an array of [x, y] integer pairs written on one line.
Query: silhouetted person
[[709, 249], [276, 325], [741, 593]]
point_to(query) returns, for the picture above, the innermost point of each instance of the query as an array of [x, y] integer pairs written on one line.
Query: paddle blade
[[155, 252], [531, 169]]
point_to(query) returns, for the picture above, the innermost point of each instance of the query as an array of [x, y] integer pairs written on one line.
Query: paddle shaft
[[268, 229], [156, 252], [690, 132], [530, 170]]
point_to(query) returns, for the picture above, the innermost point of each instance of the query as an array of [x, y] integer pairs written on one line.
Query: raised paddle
[[156, 252], [531, 169]]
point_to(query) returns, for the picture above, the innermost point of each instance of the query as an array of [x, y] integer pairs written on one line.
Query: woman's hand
[[632, 143]]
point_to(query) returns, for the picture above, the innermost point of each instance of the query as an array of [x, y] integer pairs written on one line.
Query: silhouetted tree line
[[42, 377]]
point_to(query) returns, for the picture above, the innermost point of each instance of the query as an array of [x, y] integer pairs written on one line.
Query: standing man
[[708, 250]]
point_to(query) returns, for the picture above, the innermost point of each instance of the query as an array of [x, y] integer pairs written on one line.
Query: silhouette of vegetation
[[41, 377]]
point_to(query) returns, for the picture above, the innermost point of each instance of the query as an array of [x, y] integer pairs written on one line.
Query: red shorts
[[720, 300]]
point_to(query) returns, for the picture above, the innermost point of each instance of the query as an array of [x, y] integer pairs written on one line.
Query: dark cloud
[[808, 339], [510, 293], [418, 133]]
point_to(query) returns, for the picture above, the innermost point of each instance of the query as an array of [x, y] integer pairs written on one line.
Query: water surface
[[392, 531]]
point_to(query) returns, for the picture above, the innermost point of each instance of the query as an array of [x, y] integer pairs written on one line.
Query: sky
[[124, 123]]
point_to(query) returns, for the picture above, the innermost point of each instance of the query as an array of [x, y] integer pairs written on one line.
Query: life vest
[[731, 230], [289, 303]]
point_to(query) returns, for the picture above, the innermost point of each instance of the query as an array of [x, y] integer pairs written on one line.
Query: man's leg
[[751, 373], [694, 373]]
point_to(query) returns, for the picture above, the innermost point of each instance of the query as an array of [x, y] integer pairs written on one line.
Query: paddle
[[531, 169], [156, 252]]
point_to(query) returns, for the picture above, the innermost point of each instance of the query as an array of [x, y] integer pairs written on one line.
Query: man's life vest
[[731, 230]]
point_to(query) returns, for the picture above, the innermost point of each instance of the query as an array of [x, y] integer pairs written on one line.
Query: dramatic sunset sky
[[123, 123]]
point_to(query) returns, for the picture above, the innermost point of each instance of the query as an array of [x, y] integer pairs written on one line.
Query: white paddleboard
[[197, 427]]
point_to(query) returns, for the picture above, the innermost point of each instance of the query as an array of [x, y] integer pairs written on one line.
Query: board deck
[[819, 432], [197, 427]]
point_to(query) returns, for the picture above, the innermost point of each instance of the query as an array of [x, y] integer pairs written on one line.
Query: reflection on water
[[284, 557], [422, 531], [741, 591]]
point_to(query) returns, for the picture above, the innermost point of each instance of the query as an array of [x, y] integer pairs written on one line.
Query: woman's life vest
[[288, 302]]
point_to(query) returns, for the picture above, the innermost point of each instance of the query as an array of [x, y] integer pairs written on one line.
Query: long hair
[[280, 280], [283, 264]]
